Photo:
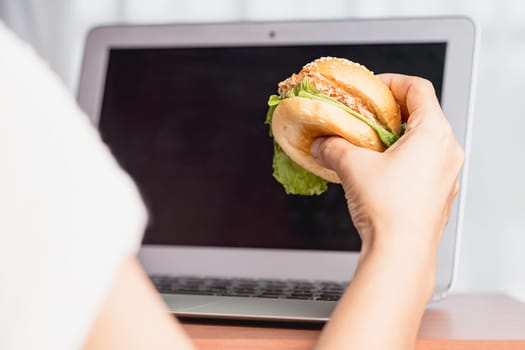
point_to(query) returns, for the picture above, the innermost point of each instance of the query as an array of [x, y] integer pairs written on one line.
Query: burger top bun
[[356, 80], [298, 121]]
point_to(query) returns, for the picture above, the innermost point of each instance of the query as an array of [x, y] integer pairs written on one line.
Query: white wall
[[493, 246]]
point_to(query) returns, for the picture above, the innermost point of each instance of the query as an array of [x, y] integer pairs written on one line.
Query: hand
[[410, 185], [399, 201]]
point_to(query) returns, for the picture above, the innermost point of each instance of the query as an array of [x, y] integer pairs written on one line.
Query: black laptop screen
[[188, 125]]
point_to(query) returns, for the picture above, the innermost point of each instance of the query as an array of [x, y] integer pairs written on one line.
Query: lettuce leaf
[[306, 90], [293, 177]]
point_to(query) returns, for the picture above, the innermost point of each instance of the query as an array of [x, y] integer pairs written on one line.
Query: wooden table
[[460, 322]]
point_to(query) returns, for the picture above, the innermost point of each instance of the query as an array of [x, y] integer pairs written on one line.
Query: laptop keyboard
[[251, 288]]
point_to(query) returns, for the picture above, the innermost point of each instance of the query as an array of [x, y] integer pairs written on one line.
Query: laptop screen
[[188, 125]]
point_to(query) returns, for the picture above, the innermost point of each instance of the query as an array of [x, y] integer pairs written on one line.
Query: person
[[72, 222]]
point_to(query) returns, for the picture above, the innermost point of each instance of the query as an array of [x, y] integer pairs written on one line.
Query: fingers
[[335, 153], [416, 96]]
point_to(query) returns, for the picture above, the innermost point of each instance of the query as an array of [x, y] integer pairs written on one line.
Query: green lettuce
[[294, 178]]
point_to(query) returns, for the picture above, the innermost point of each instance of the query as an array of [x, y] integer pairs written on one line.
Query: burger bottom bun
[[298, 121]]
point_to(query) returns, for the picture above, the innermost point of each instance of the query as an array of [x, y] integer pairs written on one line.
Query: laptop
[[182, 108]]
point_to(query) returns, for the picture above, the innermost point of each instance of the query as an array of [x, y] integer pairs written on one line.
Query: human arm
[[399, 201], [133, 316]]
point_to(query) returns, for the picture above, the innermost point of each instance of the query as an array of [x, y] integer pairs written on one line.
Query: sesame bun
[[298, 121]]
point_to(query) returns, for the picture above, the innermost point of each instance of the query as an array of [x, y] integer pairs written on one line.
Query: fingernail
[[315, 149]]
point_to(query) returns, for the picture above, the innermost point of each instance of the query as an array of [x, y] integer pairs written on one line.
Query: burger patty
[[329, 88]]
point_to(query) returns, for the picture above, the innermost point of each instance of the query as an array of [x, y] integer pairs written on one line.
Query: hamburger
[[328, 97]]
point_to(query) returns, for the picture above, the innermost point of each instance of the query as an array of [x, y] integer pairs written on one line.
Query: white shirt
[[68, 213]]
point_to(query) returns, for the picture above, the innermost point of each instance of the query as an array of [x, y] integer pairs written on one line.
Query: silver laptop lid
[[182, 108]]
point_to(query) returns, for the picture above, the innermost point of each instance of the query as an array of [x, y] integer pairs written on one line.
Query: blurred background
[[492, 257]]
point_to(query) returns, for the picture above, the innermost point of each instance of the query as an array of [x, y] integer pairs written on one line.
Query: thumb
[[336, 153]]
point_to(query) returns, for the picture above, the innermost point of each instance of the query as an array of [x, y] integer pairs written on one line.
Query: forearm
[[134, 317], [383, 306]]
